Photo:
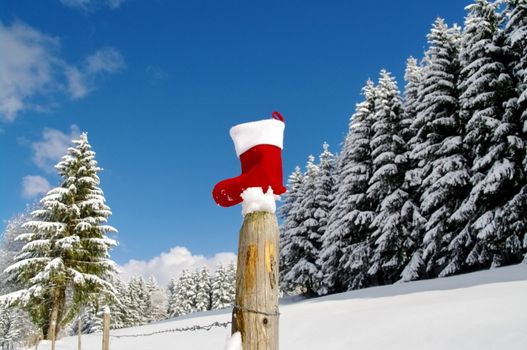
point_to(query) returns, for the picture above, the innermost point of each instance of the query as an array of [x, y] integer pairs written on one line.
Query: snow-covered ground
[[481, 310]]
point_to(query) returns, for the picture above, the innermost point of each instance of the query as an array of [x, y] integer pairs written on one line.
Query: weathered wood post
[[258, 145], [37, 341], [53, 329], [255, 314], [79, 333], [106, 329]]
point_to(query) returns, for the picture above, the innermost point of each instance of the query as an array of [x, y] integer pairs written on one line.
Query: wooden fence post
[[106, 329], [79, 332], [53, 330], [255, 314]]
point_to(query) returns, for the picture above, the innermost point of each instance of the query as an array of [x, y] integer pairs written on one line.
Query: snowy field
[[482, 310]]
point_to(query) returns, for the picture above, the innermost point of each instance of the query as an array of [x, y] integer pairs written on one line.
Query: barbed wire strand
[[198, 327], [245, 309], [175, 330]]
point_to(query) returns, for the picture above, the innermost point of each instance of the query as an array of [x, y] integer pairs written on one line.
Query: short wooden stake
[[53, 330], [106, 329], [255, 313], [79, 333]]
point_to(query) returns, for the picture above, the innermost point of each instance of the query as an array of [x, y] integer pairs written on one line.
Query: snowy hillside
[[481, 310]]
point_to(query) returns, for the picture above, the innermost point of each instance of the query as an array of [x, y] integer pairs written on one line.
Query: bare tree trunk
[[255, 313]]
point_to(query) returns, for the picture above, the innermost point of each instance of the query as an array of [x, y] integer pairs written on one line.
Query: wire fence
[[192, 328]]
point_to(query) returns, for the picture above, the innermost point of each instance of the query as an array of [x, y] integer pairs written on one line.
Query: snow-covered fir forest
[[430, 182]]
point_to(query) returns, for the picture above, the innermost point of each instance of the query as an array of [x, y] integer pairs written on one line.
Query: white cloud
[[107, 60], [170, 264], [115, 4], [33, 73], [81, 81], [54, 143], [33, 185], [27, 62], [77, 86], [77, 4], [90, 5]]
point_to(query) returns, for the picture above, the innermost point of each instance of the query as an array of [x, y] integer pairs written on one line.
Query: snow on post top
[[106, 309], [254, 199]]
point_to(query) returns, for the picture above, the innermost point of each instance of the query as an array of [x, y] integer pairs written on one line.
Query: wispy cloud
[[155, 74], [33, 74], [91, 5], [34, 185], [81, 81], [105, 60], [115, 4], [54, 144], [170, 264]]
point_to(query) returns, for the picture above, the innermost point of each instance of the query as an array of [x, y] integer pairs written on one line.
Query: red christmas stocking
[[259, 146]]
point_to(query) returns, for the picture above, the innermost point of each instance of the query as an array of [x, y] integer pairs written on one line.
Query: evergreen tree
[[66, 244], [15, 327], [414, 80], [324, 188], [138, 295], [120, 307], [305, 239], [344, 253], [388, 148], [488, 103], [203, 290], [231, 281], [172, 301], [289, 212], [222, 295], [413, 77], [10, 247], [440, 173], [183, 298], [157, 301], [516, 39]]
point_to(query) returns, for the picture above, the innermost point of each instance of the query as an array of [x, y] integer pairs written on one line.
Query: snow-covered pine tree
[[413, 77], [139, 299], [516, 40], [157, 301], [344, 253], [172, 300], [10, 247], [9, 333], [183, 299], [324, 188], [15, 328], [440, 174], [231, 281], [390, 232], [91, 318], [221, 289], [488, 104], [289, 213], [66, 244], [411, 212], [305, 240], [119, 308], [203, 289]]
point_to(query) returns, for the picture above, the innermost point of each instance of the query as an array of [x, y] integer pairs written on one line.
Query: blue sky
[[158, 84]]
